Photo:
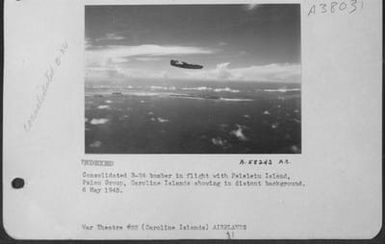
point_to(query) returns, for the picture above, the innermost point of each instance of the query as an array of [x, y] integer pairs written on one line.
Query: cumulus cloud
[[117, 72], [111, 62], [222, 72], [271, 72], [101, 56]]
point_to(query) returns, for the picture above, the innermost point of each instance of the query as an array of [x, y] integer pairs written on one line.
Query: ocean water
[[192, 117]]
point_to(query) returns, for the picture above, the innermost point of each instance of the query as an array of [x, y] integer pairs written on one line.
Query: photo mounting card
[[192, 119]]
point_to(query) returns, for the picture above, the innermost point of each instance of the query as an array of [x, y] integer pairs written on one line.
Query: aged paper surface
[[192, 120]]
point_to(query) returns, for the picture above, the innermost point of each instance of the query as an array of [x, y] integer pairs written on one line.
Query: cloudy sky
[[232, 42]]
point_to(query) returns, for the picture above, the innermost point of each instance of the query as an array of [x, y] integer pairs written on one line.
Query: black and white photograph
[[164, 120], [193, 79]]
